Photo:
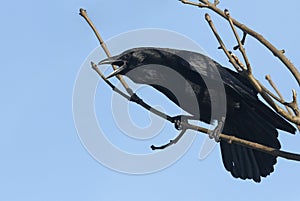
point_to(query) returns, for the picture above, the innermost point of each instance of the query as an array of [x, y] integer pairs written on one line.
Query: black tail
[[256, 125]]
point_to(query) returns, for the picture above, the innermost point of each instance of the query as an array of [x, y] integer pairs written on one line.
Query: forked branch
[[276, 52], [83, 13], [246, 69], [280, 97]]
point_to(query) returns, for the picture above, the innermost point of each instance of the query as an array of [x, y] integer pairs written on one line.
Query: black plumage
[[218, 91]]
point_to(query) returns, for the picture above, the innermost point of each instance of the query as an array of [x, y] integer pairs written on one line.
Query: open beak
[[116, 72], [109, 60], [115, 62]]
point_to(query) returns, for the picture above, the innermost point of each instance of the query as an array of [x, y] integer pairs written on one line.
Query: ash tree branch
[[276, 52], [247, 70]]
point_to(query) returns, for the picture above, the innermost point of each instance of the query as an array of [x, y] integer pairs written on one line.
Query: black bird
[[215, 88]]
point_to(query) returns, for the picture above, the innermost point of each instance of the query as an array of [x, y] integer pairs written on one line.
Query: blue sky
[[43, 47]]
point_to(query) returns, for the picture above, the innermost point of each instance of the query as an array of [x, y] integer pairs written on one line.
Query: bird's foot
[[178, 120], [215, 133]]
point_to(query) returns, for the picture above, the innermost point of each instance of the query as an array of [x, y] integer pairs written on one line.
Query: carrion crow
[[246, 116]]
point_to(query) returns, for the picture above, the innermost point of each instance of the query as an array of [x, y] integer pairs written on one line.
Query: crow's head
[[137, 57]]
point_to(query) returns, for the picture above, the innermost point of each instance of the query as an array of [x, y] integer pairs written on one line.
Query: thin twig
[[242, 41], [200, 5], [240, 45], [294, 104], [213, 28], [216, 2], [113, 87], [83, 13], [268, 78]]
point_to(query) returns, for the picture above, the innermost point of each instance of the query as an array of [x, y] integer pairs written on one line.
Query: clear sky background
[[44, 43]]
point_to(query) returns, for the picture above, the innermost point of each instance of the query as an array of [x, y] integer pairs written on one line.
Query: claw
[[174, 141], [179, 119], [178, 124], [215, 133]]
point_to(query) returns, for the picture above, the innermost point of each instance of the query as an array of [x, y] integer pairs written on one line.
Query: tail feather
[[243, 162], [255, 170], [265, 160]]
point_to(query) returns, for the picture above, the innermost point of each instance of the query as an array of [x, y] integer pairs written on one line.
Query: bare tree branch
[[294, 103], [222, 45], [240, 45], [242, 41], [232, 139], [268, 78], [276, 52]]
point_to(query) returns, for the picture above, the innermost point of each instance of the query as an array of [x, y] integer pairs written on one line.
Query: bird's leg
[[174, 141], [215, 133], [177, 120]]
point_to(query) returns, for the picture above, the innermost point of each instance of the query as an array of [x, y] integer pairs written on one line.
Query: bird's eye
[[126, 57]]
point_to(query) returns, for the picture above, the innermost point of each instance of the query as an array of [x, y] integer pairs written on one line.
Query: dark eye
[[126, 57]]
